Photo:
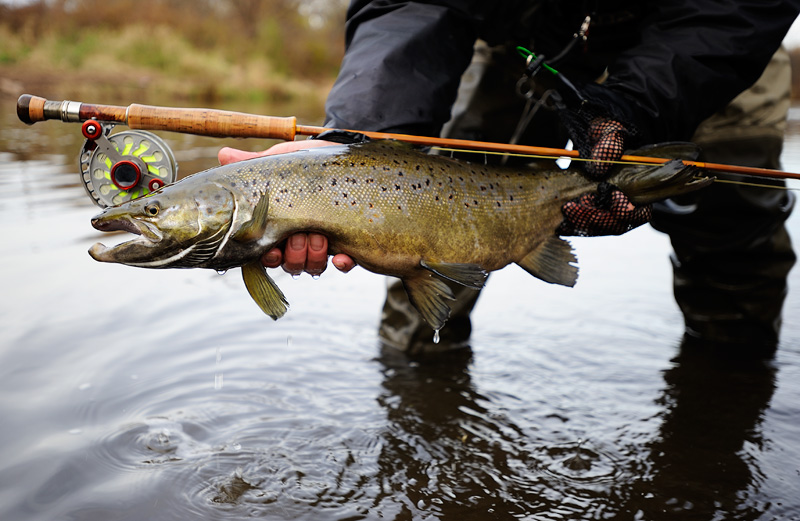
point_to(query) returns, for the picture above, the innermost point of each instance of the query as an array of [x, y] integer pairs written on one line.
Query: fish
[[394, 209]]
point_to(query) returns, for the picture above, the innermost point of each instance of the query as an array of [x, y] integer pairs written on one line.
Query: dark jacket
[[671, 63]]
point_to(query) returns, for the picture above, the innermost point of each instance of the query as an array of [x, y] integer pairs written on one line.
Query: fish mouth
[[147, 236]]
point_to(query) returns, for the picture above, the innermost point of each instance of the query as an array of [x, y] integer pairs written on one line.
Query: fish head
[[181, 225]]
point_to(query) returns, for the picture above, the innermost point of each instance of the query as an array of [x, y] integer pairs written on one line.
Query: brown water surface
[[132, 394]]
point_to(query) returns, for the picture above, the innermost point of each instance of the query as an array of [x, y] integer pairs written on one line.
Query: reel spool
[[124, 166]]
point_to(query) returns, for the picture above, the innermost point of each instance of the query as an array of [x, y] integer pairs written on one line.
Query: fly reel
[[123, 166]]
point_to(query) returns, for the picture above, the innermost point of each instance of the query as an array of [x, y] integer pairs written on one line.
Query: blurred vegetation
[[262, 51]]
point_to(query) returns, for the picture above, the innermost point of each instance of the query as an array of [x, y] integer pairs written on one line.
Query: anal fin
[[552, 261], [469, 275], [263, 289], [429, 295]]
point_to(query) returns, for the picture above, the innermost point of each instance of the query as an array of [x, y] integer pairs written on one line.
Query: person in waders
[[630, 73]]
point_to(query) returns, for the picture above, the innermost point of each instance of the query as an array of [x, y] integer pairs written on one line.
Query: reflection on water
[[146, 394]]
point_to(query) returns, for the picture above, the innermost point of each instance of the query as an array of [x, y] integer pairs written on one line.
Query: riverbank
[[194, 53]]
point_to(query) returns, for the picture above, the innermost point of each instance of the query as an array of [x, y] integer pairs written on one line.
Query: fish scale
[[393, 209]]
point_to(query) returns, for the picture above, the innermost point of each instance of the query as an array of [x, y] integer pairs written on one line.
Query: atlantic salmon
[[395, 210]]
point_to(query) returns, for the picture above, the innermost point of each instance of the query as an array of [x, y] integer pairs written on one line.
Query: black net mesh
[[605, 212], [596, 135]]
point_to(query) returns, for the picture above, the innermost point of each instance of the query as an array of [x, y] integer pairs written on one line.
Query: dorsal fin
[[552, 261], [345, 137]]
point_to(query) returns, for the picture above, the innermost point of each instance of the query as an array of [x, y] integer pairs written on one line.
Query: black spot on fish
[[352, 203], [333, 182], [233, 184], [436, 198], [399, 207], [383, 189], [397, 187], [475, 202], [498, 204], [344, 194], [371, 205], [483, 188], [510, 197], [418, 167], [400, 174], [427, 182]]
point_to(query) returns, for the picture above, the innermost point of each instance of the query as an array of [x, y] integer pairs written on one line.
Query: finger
[[317, 259], [343, 263], [273, 258], [295, 254], [228, 155]]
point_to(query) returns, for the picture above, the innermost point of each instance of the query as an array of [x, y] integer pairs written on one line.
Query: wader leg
[[732, 252], [403, 328]]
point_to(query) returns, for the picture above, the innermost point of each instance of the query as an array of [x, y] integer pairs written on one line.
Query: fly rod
[[222, 123]]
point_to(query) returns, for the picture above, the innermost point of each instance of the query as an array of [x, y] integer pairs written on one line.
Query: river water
[[131, 394]]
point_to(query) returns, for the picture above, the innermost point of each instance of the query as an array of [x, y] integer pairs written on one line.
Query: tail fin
[[645, 184]]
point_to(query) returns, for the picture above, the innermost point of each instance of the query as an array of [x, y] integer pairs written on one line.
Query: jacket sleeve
[[693, 58], [403, 63]]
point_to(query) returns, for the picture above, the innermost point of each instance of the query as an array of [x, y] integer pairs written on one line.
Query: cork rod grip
[[208, 122]]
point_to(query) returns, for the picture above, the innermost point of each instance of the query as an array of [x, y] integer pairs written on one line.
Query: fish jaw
[[109, 221]]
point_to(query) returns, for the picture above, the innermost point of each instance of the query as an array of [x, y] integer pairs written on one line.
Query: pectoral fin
[[470, 275], [264, 291], [552, 261], [254, 229], [429, 295]]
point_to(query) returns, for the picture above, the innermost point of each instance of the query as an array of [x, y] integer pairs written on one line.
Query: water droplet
[[75, 431], [236, 446], [289, 341], [222, 272], [295, 276], [436, 337], [84, 386], [218, 381], [315, 276]]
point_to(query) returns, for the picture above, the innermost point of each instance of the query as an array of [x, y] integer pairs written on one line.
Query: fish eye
[[151, 209]]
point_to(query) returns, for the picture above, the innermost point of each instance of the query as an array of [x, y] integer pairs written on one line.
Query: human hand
[[303, 251], [607, 139], [605, 212]]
